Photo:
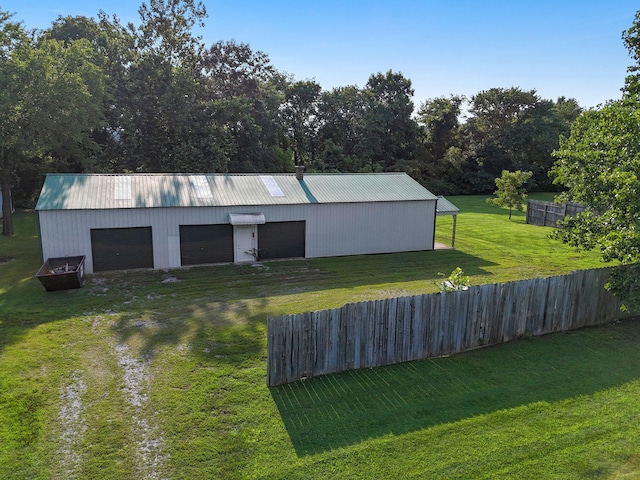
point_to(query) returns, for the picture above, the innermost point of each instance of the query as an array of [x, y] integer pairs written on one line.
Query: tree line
[[96, 95]]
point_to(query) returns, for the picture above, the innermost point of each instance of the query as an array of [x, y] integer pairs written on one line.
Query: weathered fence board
[[383, 332], [547, 214]]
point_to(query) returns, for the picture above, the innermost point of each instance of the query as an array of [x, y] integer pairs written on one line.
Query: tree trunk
[[5, 187]]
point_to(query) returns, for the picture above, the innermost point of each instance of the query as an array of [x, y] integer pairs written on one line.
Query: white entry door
[[244, 237]]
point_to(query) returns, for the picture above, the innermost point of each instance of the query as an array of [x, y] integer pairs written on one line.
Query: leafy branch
[[457, 280]]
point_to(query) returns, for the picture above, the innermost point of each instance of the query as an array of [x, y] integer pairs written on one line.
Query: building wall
[[331, 229], [383, 227]]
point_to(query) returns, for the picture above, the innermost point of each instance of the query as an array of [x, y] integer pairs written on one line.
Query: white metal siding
[[331, 229], [381, 227]]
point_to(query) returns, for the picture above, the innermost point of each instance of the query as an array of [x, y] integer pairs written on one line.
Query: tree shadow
[[232, 297], [221, 310], [224, 331], [343, 409], [202, 299]]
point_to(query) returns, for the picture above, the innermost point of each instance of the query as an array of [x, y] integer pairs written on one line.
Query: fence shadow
[[343, 409]]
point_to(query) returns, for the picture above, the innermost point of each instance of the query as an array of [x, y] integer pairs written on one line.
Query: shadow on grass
[[344, 409], [24, 303], [223, 308], [229, 331]]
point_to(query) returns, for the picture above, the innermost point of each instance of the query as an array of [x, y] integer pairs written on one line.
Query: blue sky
[[560, 48]]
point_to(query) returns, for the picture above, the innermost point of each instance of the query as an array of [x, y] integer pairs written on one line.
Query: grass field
[[161, 374]]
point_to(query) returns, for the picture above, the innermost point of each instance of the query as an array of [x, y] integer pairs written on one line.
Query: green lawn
[[161, 374]]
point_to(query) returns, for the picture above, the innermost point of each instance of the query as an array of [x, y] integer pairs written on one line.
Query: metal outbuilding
[[124, 221]]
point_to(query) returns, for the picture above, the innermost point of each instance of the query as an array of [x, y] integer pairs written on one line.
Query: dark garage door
[[121, 248], [281, 239], [206, 244]]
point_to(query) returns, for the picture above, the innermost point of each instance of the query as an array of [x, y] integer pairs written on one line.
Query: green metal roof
[[445, 207], [106, 191]]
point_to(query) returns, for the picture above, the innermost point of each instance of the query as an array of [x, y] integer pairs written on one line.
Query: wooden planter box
[[62, 273]]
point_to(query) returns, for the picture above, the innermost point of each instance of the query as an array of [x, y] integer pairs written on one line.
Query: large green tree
[[175, 104], [440, 119], [496, 133], [390, 133], [112, 45], [439, 162], [631, 39], [163, 122], [511, 129], [341, 123], [300, 113], [51, 98], [247, 93], [599, 165]]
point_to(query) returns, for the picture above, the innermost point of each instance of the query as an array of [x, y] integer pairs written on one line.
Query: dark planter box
[[62, 273]]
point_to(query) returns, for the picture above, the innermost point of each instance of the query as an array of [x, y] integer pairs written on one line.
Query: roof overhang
[[246, 219], [445, 207]]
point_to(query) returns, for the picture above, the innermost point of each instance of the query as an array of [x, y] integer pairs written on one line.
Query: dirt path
[[74, 426], [132, 380], [149, 440]]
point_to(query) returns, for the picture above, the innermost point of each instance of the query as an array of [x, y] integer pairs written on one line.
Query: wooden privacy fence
[[383, 332], [547, 214]]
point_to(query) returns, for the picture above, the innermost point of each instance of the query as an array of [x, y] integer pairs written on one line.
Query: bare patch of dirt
[[99, 286], [134, 377], [150, 442], [74, 426]]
